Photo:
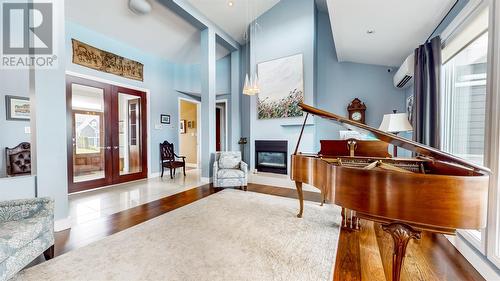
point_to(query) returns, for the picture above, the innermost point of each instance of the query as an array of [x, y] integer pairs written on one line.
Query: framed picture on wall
[[165, 119], [182, 126], [17, 108]]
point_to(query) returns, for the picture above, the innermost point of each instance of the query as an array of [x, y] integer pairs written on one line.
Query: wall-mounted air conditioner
[[404, 75]]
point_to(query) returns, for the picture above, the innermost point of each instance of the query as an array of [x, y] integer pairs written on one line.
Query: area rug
[[231, 235]]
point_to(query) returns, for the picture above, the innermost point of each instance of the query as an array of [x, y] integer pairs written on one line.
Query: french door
[[107, 134]]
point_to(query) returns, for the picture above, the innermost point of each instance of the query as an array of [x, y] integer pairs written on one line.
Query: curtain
[[426, 124]]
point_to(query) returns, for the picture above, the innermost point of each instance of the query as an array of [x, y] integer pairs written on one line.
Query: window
[[464, 101], [464, 107]]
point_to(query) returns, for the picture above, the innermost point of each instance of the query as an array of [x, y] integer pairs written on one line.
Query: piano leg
[[298, 185], [401, 234]]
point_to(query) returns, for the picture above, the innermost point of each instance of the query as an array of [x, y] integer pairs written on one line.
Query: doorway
[[221, 125], [190, 131], [107, 134]]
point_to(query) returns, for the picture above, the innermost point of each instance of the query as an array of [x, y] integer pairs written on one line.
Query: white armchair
[[229, 170]]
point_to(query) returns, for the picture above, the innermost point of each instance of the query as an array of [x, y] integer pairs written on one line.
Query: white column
[[208, 68]]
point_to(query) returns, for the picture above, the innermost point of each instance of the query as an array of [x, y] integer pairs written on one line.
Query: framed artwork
[[281, 88], [17, 108], [164, 118], [182, 126], [409, 108]]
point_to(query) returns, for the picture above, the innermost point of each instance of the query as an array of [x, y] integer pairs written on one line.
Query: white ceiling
[[233, 19], [161, 33], [399, 25]]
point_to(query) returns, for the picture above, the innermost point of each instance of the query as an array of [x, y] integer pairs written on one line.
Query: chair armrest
[[244, 167], [182, 157], [13, 210], [215, 169]]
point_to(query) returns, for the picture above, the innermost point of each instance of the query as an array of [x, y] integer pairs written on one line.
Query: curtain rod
[[442, 20]]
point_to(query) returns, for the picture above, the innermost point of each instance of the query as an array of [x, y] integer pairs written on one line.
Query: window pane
[[465, 101]]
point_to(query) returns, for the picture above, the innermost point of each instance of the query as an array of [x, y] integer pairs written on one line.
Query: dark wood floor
[[361, 255]]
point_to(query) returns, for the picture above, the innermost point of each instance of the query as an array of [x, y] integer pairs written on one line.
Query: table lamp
[[395, 123]]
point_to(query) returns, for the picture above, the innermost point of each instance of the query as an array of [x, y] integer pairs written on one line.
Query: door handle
[[115, 147], [108, 147]]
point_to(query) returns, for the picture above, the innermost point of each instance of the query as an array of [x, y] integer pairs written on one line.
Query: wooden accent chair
[[168, 159], [18, 159]]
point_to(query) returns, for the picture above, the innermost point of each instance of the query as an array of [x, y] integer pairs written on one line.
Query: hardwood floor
[[362, 255]]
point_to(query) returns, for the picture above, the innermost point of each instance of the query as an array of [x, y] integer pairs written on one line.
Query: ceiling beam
[[184, 9]]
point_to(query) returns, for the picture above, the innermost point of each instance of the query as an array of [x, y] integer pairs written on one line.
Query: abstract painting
[[281, 88]]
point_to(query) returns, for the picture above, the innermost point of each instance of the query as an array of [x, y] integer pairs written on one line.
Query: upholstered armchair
[[229, 170], [26, 231]]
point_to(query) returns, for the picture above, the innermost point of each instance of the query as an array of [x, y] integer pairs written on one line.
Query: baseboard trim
[[62, 224], [154, 175], [475, 258], [192, 165], [206, 180]]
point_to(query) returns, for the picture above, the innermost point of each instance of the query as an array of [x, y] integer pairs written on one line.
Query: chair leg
[[184, 170], [171, 174], [175, 170], [162, 168], [49, 253]]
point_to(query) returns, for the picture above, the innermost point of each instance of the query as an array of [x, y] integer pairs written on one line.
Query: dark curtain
[[427, 87]]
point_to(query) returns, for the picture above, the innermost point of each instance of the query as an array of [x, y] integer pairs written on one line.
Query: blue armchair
[[26, 231]]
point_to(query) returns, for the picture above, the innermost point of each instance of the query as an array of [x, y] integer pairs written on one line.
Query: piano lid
[[393, 139]]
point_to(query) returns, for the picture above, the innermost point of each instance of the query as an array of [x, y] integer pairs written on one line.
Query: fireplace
[[271, 156]]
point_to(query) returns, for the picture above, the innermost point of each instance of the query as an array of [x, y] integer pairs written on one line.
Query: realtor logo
[[27, 35]]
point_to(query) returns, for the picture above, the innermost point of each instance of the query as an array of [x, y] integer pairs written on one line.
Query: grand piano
[[433, 191]]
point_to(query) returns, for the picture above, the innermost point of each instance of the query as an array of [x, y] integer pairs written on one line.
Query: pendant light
[[251, 87]]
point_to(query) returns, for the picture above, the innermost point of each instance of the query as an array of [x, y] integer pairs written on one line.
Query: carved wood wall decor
[[86, 55]]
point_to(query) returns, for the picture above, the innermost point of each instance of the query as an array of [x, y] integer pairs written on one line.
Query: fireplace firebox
[[271, 156]]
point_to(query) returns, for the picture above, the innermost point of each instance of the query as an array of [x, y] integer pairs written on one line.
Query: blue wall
[[286, 29], [158, 79], [338, 83], [12, 83], [188, 79]]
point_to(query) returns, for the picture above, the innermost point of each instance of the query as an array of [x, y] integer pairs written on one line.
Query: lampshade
[[395, 123]]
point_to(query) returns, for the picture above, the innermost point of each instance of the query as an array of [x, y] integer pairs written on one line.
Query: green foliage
[[283, 108]]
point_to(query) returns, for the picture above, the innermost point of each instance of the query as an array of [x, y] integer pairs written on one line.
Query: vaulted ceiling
[[161, 33], [233, 16], [383, 32]]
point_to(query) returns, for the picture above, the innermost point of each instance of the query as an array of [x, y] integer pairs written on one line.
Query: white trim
[[148, 105], [206, 180], [225, 102], [472, 8], [482, 265], [62, 224], [198, 127], [191, 165], [154, 175], [493, 135]]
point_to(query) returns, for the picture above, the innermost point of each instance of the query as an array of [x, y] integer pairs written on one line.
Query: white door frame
[[225, 102], [198, 130]]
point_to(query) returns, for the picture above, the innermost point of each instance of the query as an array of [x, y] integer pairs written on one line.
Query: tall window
[[464, 101], [464, 106]]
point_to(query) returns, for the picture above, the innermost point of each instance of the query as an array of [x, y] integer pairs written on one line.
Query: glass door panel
[[130, 134], [87, 104]]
